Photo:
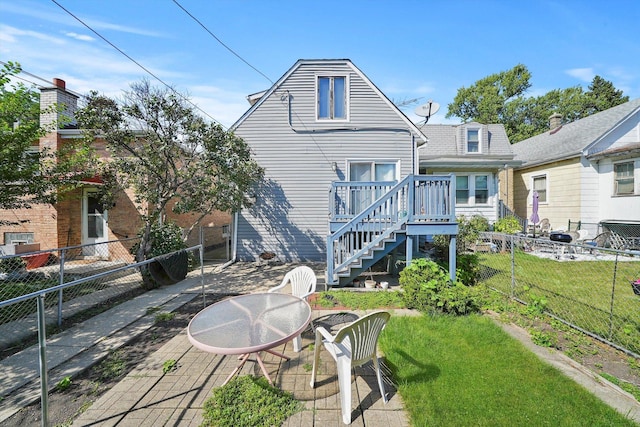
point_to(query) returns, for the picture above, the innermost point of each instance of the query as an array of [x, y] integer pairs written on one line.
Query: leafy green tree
[[500, 98], [30, 174], [168, 155]]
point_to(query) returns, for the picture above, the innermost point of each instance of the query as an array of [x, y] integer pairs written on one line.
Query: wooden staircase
[[417, 205]]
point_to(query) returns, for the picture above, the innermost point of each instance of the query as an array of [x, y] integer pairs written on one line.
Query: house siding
[[620, 208], [563, 183], [290, 217]]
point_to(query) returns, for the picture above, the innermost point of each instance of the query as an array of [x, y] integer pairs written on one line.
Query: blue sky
[[409, 49]]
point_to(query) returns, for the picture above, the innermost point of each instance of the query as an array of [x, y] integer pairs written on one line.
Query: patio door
[[369, 172], [94, 225]]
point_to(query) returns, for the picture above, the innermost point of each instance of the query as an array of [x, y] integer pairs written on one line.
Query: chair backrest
[[303, 281], [602, 239], [545, 225], [583, 234], [363, 335]]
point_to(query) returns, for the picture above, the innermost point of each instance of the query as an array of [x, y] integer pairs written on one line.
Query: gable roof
[[444, 146], [571, 139], [264, 95]]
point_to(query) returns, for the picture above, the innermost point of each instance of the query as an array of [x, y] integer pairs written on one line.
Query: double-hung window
[[462, 190], [472, 189], [332, 98], [473, 140], [540, 186], [623, 178]]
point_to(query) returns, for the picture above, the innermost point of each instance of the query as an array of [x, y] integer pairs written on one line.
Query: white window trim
[[471, 188], [546, 182], [374, 162], [466, 140], [347, 102], [636, 178]]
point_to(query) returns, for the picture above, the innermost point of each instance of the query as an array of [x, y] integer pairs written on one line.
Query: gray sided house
[[586, 171], [340, 165], [476, 153]]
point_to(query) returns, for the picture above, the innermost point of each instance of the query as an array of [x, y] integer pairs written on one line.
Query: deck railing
[[373, 211]]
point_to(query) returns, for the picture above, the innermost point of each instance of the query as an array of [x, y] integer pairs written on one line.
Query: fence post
[[42, 342], [613, 291], [513, 267], [61, 281]]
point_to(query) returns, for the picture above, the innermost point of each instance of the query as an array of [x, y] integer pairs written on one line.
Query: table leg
[[264, 370], [278, 354], [243, 359]]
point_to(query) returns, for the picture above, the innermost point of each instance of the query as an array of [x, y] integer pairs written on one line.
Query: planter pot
[[384, 285], [369, 284]]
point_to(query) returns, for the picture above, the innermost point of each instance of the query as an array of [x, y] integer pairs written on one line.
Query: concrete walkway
[[149, 397]]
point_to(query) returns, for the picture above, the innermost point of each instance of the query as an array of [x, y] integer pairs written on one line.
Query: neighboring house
[[341, 170], [78, 218], [587, 170], [478, 155]]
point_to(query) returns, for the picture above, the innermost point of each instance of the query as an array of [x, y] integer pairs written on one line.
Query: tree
[[165, 152], [30, 174], [500, 98]]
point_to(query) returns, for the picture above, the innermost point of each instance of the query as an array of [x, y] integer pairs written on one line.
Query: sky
[[218, 52]]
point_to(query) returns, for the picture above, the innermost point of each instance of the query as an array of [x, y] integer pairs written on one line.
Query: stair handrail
[[381, 227]]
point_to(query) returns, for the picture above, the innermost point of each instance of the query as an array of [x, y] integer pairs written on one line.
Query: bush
[[427, 288], [469, 230], [11, 265], [507, 225]]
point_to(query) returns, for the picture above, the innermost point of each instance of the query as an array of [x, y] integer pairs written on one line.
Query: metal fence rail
[[587, 287]]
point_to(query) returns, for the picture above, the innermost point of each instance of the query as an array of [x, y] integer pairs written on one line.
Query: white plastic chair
[[303, 283], [353, 345]]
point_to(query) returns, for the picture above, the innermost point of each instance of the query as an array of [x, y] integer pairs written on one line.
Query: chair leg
[[344, 382], [376, 366], [316, 359]]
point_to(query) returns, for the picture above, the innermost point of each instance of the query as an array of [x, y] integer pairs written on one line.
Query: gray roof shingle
[[572, 138]]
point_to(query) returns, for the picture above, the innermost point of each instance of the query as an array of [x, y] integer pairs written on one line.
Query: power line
[[136, 62], [221, 42], [49, 82]]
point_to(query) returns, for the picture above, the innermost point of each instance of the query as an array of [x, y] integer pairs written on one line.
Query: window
[[472, 189], [363, 196], [18, 238], [462, 190], [540, 185], [623, 178], [473, 140], [482, 189], [332, 98]]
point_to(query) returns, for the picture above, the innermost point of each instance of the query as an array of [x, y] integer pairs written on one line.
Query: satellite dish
[[427, 110]]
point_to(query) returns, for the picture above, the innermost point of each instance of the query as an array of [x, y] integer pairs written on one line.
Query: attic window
[[332, 98], [473, 141]]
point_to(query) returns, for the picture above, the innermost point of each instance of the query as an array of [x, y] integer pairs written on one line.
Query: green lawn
[[466, 371], [594, 295]]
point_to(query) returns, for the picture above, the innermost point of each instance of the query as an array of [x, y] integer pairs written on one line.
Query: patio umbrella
[[534, 212]]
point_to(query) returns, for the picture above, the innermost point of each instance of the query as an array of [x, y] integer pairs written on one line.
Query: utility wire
[[221, 42], [136, 62], [49, 82]]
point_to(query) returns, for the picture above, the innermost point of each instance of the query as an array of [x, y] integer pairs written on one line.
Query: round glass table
[[249, 324]]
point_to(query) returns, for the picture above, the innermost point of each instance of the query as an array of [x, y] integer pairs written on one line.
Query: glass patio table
[[248, 324]]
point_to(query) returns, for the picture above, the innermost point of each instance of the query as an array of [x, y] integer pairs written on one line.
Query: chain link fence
[[24, 276], [593, 289]]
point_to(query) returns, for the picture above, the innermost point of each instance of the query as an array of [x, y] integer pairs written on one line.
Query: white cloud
[[80, 37], [584, 74]]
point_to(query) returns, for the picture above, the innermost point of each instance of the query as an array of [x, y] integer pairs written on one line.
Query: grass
[[594, 295], [468, 371], [360, 300]]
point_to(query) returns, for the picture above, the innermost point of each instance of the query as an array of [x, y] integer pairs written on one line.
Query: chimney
[[555, 121], [55, 103]]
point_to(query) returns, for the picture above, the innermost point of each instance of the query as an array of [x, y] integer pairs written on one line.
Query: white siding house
[[322, 121]]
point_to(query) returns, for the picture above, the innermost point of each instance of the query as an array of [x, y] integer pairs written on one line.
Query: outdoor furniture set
[[252, 323]]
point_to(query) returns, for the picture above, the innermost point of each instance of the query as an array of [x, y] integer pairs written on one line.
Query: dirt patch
[[87, 387]]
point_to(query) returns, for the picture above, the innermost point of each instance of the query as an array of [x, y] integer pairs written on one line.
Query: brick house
[[78, 218]]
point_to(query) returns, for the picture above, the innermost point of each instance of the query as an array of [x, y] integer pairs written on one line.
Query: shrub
[[507, 225], [163, 239], [469, 230], [10, 265], [427, 288]]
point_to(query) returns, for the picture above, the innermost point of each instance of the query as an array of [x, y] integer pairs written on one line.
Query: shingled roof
[[572, 138]]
